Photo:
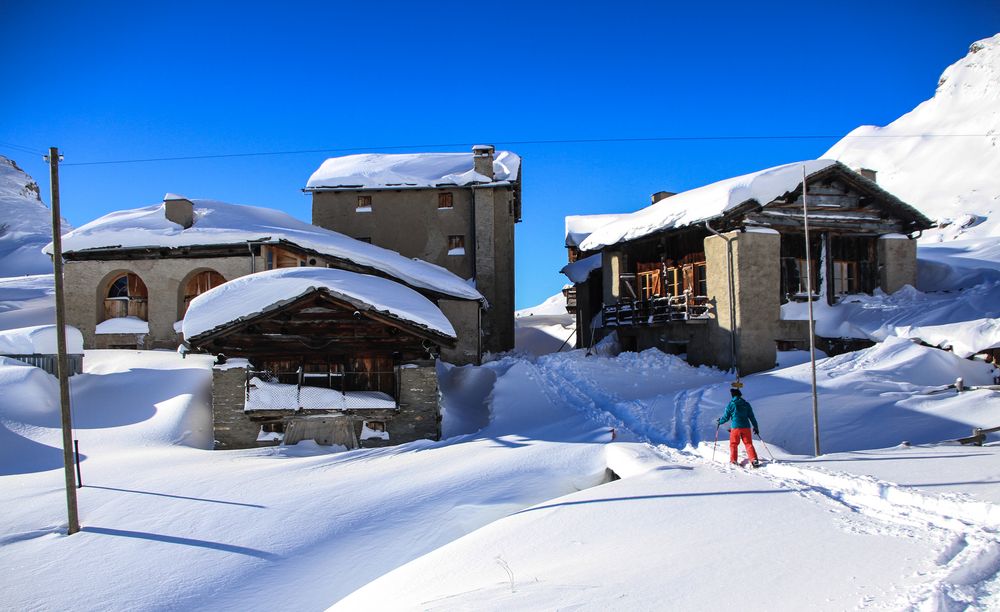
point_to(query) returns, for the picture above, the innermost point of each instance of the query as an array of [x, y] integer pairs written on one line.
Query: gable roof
[[250, 296], [381, 171], [219, 223], [717, 199]]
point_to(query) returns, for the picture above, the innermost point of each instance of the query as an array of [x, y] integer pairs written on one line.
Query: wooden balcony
[[685, 308]]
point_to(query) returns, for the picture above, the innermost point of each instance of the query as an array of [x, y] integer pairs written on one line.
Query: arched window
[[127, 297], [200, 283]]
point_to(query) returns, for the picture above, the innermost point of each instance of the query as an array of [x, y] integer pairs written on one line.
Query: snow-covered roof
[[578, 227], [704, 203], [254, 294], [381, 170], [38, 340], [219, 223]]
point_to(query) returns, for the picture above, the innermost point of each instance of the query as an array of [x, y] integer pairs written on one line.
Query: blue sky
[[113, 81]]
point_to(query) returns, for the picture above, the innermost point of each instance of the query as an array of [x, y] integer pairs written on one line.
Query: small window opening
[[456, 245], [445, 200], [364, 203]]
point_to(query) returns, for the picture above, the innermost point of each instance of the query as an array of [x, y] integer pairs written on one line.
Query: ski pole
[[765, 447], [716, 443]]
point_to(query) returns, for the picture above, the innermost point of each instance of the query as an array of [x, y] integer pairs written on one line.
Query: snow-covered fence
[[342, 390]]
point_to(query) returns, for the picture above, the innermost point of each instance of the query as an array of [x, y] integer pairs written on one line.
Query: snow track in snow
[[966, 570]]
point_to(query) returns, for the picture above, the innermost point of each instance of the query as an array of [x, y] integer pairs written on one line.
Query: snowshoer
[[740, 411]]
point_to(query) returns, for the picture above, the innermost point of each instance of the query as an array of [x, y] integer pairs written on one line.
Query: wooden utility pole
[[809, 298], [67, 423]]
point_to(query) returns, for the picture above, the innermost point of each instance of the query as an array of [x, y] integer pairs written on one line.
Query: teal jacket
[[740, 412]]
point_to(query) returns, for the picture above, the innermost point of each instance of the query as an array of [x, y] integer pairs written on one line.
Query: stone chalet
[[705, 272], [320, 354], [131, 275]]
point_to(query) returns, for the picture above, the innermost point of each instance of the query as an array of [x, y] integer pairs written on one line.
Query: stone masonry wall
[[419, 415], [87, 285], [232, 427]]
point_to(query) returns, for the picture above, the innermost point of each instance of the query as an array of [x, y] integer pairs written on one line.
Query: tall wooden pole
[[812, 336], [67, 424]]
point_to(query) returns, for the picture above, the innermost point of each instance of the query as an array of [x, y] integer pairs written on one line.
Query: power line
[[513, 142], [21, 148]]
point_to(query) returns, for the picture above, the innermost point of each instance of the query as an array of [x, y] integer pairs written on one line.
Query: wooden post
[[67, 424], [809, 298]]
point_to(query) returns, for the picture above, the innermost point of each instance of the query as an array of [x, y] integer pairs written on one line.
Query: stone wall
[[897, 263], [419, 416], [87, 283], [410, 222], [464, 317], [232, 427]]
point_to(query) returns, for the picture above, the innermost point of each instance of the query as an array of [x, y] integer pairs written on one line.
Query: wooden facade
[[322, 354], [662, 279]]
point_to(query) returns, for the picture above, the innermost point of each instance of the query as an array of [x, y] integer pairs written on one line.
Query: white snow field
[[507, 512], [26, 301]]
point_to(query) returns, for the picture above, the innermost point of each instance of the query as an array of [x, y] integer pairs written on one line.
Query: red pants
[[735, 435]]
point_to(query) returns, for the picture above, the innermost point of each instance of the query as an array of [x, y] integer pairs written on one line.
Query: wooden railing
[[657, 311]]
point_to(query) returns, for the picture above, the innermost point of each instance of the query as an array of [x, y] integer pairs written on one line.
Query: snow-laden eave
[[120, 252], [241, 322]]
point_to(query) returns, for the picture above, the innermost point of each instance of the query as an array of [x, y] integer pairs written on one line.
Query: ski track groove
[[967, 569]]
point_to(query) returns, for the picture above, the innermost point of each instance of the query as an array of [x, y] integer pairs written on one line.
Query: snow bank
[[374, 170], [277, 396], [39, 340], [965, 322], [704, 203], [122, 325], [27, 301], [253, 294], [953, 178], [217, 223]]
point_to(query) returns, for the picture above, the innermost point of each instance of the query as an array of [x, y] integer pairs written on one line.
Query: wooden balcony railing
[[657, 311]]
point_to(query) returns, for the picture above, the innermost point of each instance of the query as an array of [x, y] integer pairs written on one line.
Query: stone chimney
[[482, 155], [179, 209], [868, 173], [661, 195]]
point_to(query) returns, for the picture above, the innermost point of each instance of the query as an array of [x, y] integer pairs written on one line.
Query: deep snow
[[301, 527]]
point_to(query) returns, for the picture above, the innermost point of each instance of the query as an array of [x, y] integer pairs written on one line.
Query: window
[[127, 296], [277, 257], [456, 245], [673, 281], [845, 277], [200, 283], [364, 203], [445, 200], [700, 279]]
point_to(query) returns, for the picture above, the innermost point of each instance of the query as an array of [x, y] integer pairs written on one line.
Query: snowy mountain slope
[[25, 225], [951, 177]]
